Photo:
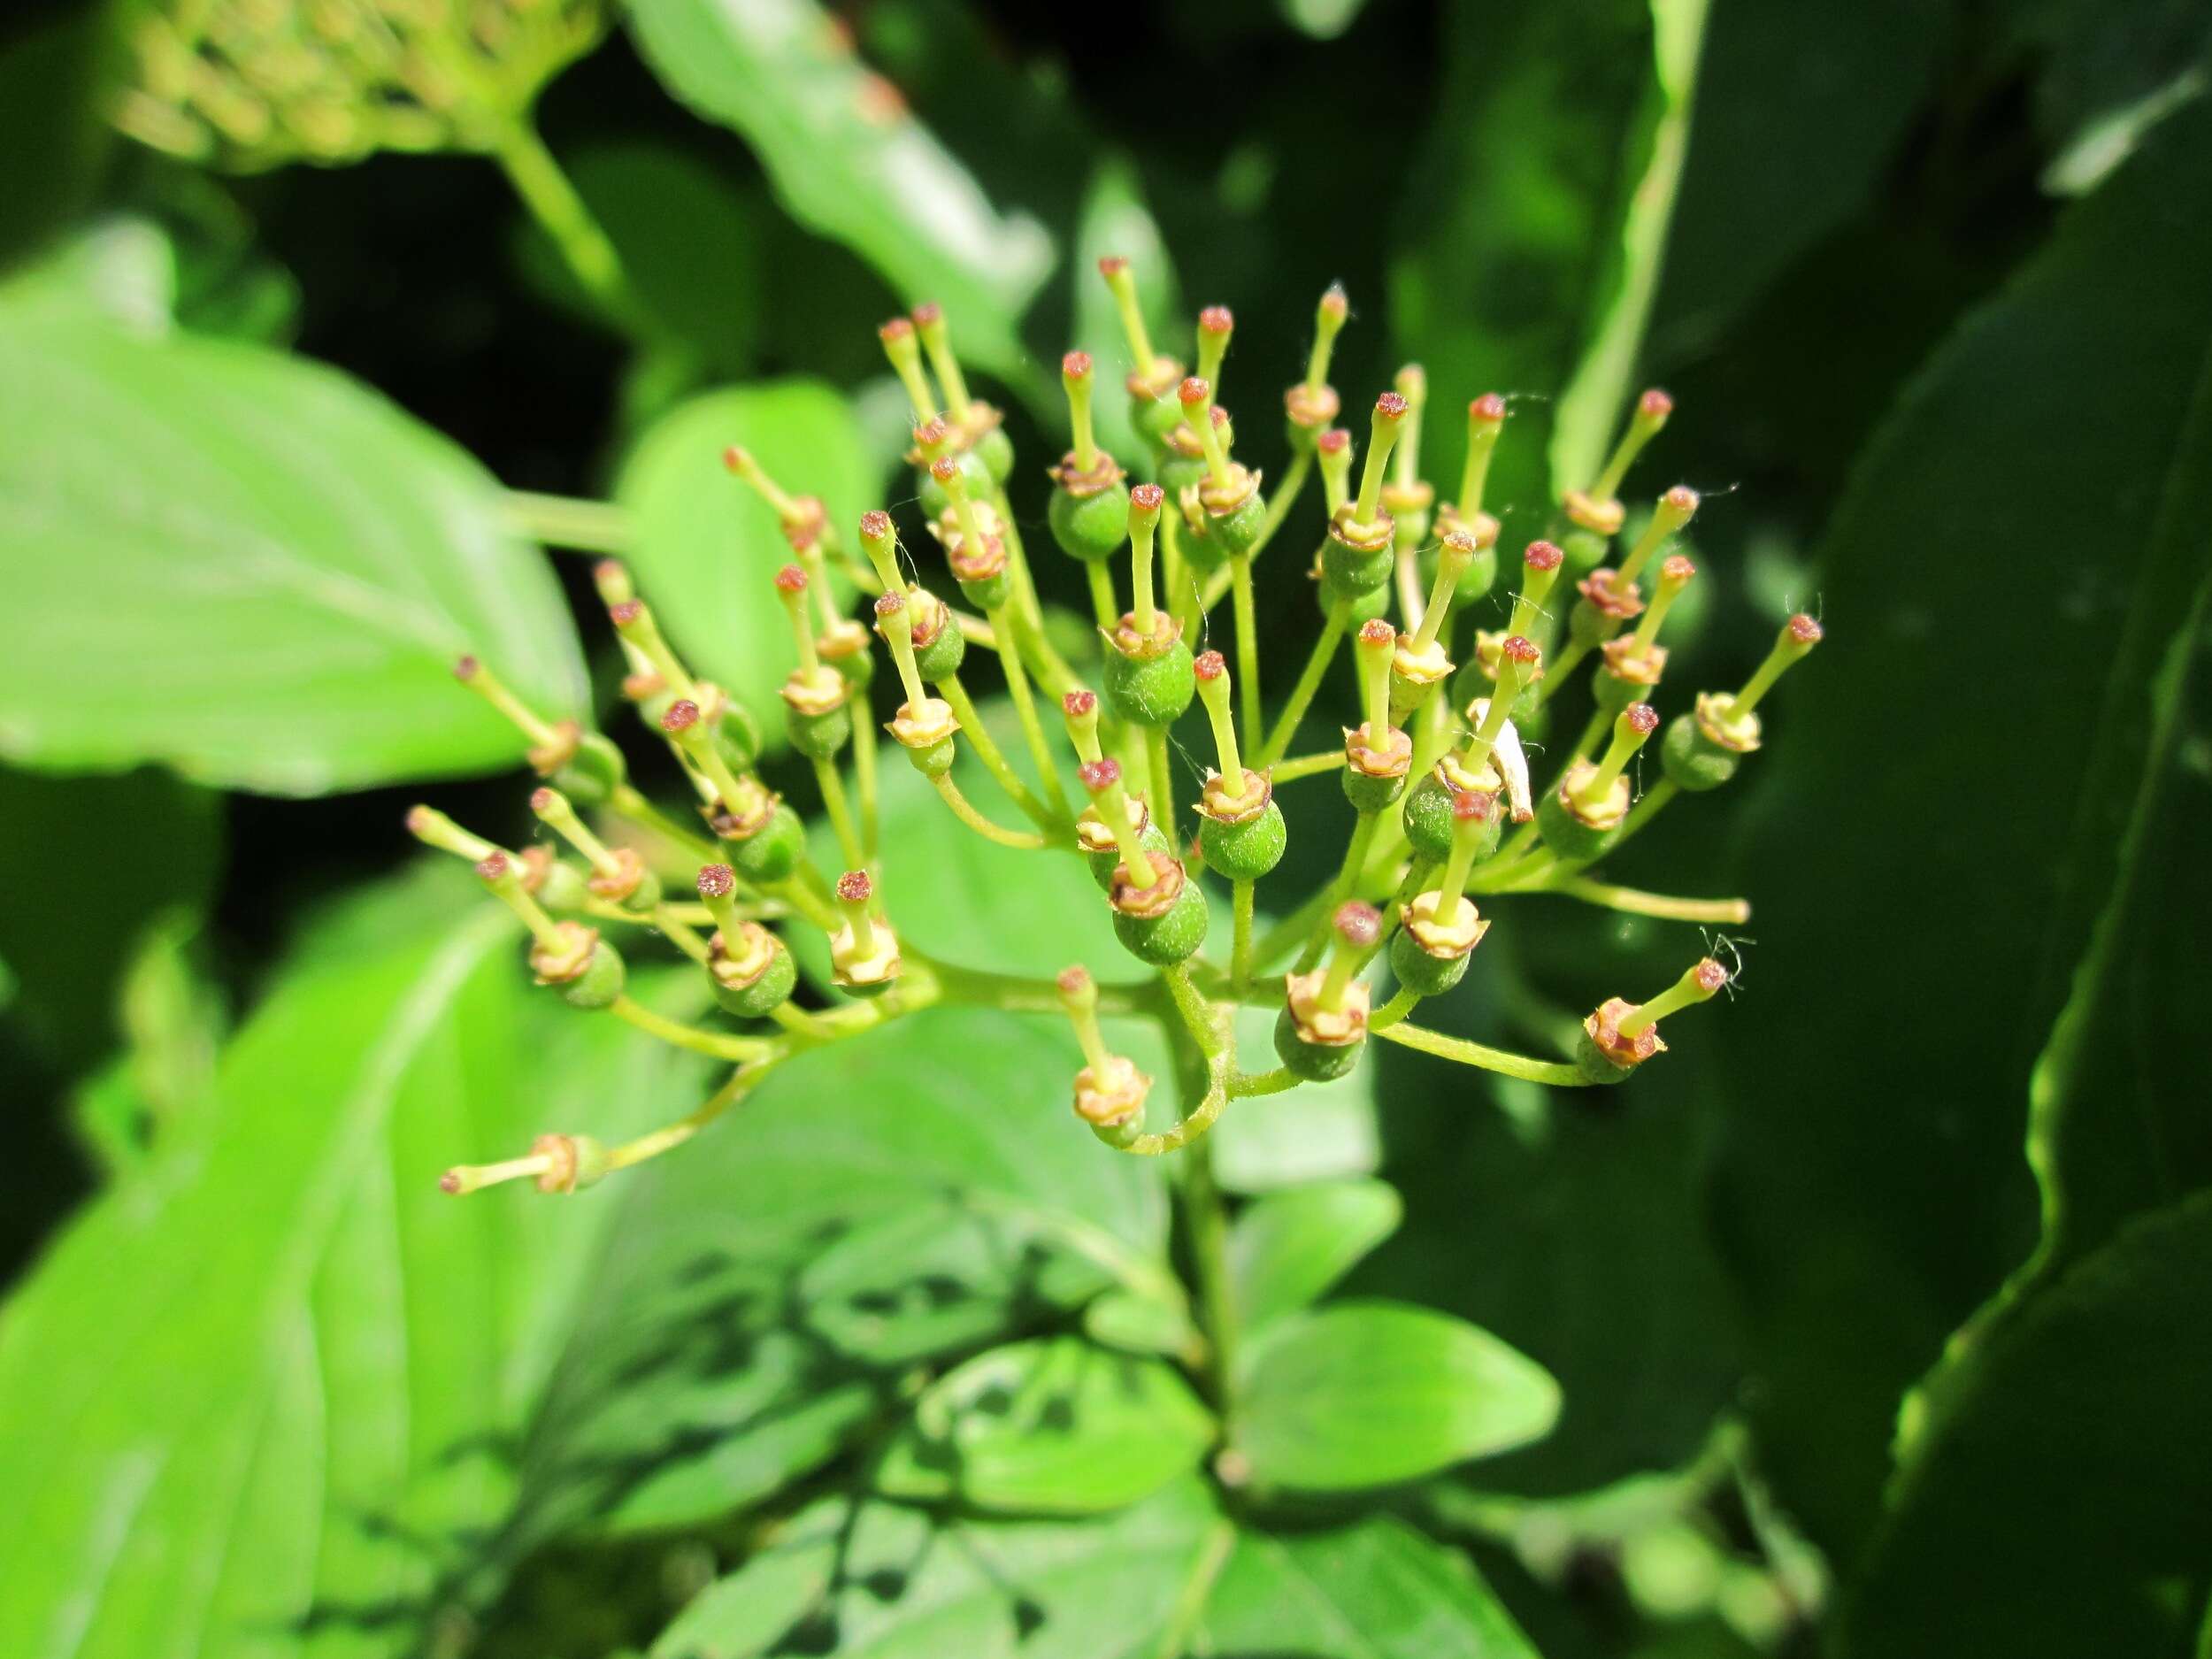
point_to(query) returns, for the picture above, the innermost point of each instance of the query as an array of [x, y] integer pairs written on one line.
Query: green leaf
[[875, 1580], [290, 1368], [708, 548], [122, 269], [1865, 1202], [1288, 1248], [163, 1082], [93, 861], [687, 244], [1054, 1426], [1372, 1588], [903, 1196], [2058, 1508], [252, 568], [1511, 225], [1115, 221], [1799, 107], [847, 160], [1369, 1393], [1590, 408]]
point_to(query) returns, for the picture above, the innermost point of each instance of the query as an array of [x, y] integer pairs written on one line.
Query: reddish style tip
[[1521, 649], [1358, 924], [875, 523], [624, 614], [853, 887], [1081, 703], [541, 799], [1710, 975], [1148, 497], [890, 604], [1210, 665], [1112, 265], [1472, 806], [1334, 439], [1391, 406], [1073, 981], [898, 328], [944, 469], [1193, 392], [1655, 404], [1643, 719], [932, 433], [1462, 541], [1376, 633], [1681, 499], [466, 667], [734, 457], [1804, 630], [1103, 773], [1076, 365], [1217, 320], [1489, 407], [1542, 556], [1335, 300], [791, 579], [493, 866], [716, 881], [681, 716], [927, 312], [1677, 570]]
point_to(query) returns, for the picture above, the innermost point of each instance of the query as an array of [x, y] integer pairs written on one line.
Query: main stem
[[553, 201]]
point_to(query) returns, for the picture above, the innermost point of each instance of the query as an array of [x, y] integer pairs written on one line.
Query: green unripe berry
[[592, 773], [1164, 940], [994, 450], [1365, 606], [1692, 761], [1152, 839], [1245, 851], [1202, 550], [1367, 792], [1155, 417], [1234, 531], [1092, 527], [1153, 690], [1314, 1061], [770, 991], [820, 735], [1179, 472], [1429, 821], [1585, 550], [600, 982], [1418, 970], [1354, 569], [973, 473], [933, 760], [772, 852], [562, 887], [986, 594], [737, 734], [1568, 835], [942, 657], [1613, 694], [1595, 1064]]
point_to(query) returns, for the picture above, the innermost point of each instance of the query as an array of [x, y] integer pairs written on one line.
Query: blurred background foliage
[[1881, 1315]]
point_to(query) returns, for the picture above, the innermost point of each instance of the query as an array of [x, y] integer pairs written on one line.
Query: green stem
[[682, 1036], [1396, 1009], [1347, 877], [568, 522], [1281, 1080], [1209, 1219], [1309, 683], [1279, 505], [1247, 642], [1020, 994], [1558, 1073], [964, 809], [840, 814], [1240, 949], [1162, 786], [1102, 594], [864, 779], [625, 802], [987, 752], [1635, 902], [1009, 658], [1307, 765], [553, 201]]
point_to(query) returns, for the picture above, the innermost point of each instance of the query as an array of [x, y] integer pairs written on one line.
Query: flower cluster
[[1435, 765]]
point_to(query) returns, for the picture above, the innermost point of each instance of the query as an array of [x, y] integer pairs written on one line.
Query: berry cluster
[[1435, 767]]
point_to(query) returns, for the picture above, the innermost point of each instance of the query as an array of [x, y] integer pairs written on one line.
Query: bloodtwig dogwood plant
[[1434, 765]]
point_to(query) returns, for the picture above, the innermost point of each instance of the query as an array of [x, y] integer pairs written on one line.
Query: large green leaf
[[2056, 455], [1288, 1248], [908, 1195], [1053, 1426], [1373, 1589], [1369, 1393], [847, 159], [252, 568], [92, 862], [881, 1581], [282, 1373], [708, 548], [2058, 1506], [1800, 104]]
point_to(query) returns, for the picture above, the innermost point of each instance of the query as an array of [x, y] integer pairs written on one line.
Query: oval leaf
[[252, 568], [1054, 1426], [708, 548], [1369, 1393], [1289, 1248], [849, 161]]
